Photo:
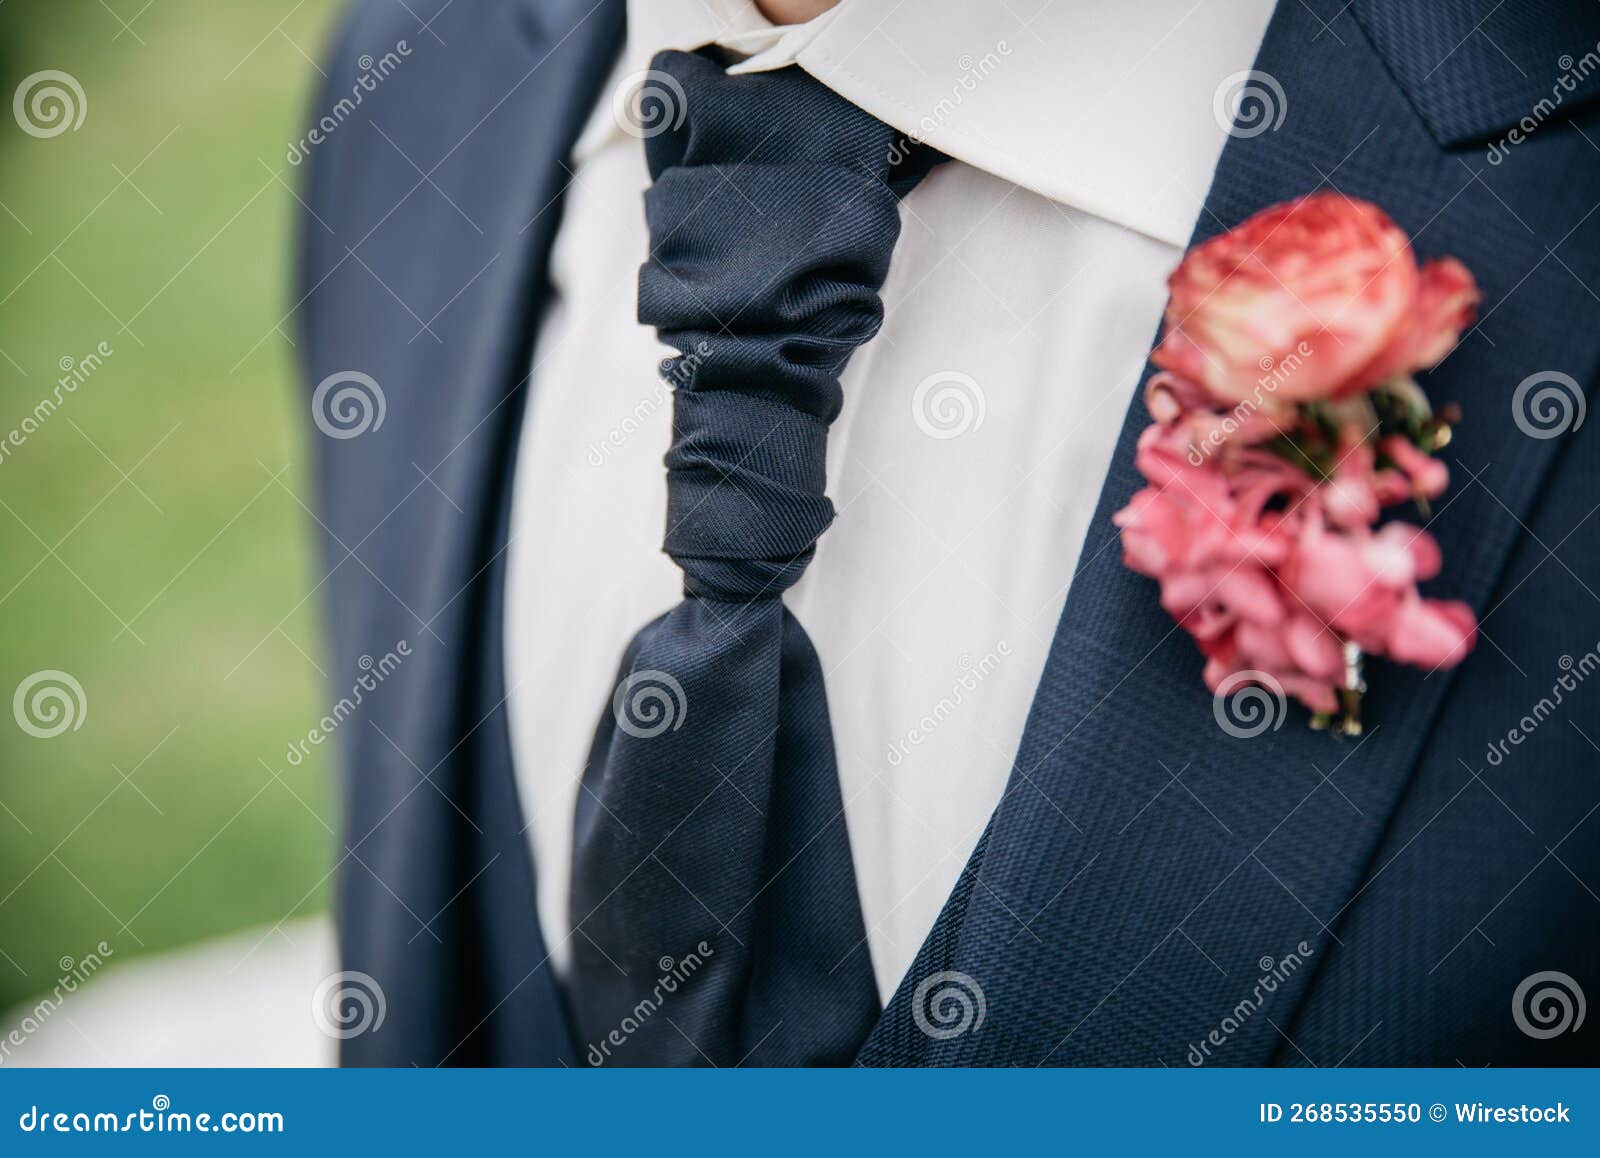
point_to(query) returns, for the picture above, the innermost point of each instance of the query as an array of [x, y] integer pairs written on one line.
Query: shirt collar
[[1116, 109]]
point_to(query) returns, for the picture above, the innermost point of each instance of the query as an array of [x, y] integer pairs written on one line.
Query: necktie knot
[[773, 214]]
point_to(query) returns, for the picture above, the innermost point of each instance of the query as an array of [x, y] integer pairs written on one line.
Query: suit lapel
[[424, 266], [1472, 71], [1146, 872]]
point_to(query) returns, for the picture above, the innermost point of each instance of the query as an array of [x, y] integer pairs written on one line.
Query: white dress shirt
[[977, 427]]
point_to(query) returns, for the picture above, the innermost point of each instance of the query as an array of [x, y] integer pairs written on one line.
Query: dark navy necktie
[[714, 906]]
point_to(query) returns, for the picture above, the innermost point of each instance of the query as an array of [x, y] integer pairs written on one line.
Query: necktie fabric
[[714, 907]]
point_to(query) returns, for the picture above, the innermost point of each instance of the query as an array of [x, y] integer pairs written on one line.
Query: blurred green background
[[152, 541]]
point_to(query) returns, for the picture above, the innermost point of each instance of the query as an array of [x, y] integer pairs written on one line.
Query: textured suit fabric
[[434, 884], [711, 822], [1143, 865], [1154, 869], [1442, 54]]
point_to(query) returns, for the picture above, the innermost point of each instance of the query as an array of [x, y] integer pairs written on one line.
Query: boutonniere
[[1286, 421]]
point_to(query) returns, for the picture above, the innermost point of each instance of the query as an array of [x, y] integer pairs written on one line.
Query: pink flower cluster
[[1259, 518]]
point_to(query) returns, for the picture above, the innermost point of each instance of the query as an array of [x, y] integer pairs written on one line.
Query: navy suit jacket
[[1150, 889]]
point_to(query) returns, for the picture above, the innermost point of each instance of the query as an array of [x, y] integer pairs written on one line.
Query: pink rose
[[1315, 298], [1259, 520]]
